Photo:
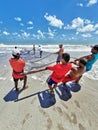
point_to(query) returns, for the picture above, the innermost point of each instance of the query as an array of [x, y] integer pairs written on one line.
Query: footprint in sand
[[81, 127], [59, 110], [72, 118], [65, 106], [49, 121], [60, 127], [33, 100], [77, 104], [26, 117]]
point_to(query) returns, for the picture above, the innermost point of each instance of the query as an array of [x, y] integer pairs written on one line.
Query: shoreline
[[35, 109]]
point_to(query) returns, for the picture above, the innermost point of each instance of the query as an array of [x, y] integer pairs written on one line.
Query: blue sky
[[48, 21]]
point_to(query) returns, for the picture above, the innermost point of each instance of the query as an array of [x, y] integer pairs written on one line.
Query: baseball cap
[[95, 47]]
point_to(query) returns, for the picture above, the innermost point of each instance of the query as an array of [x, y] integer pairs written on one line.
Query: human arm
[[56, 52], [60, 51], [33, 71], [51, 67], [88, 57]]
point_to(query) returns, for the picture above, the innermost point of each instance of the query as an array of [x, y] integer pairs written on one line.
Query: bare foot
[[52, 92], [25, 87], [17, 89]]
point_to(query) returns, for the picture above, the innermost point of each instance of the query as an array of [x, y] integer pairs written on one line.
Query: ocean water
[[34, 61]]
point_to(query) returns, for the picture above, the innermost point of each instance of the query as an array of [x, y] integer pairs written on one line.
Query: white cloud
[[18, 19], [30, 22], [29, 28], [81, 25], [40, 34], [54, 21], [91, 2], [96, 26], [76, 23], [80, 4], [6, 33], [25, 35], [86, 35], [21, 24], [50, 33], [86, 21], [22, 30], [87, 28], [63, 35], [15, 34], [96, 32], [73, 38]]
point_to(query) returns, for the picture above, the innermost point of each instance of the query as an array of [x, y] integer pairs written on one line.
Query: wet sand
[[35, 109]]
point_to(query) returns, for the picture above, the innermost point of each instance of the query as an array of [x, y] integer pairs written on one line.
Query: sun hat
[[15, 52]]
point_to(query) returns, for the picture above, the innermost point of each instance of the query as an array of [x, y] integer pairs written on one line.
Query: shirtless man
[[59, 52], [76, 72]]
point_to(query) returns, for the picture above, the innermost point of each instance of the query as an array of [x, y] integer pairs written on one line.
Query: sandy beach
[[35, 109]]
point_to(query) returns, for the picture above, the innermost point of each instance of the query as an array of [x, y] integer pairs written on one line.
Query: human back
[[59, 53], [90, 63], [17, 64], [59, 70]]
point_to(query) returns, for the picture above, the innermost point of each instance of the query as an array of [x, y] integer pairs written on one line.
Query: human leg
[[16, 84], [50, 83], [25, 82], [40, 54], [54, 86], [77, 81], [51, 89]]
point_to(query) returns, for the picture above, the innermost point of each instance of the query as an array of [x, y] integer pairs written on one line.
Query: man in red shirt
[[18, 65], [59, 71]]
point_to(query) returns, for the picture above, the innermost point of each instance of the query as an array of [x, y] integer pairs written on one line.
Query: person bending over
[[76, 72]]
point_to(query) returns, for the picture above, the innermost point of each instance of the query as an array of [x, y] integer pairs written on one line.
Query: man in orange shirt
[[18, 65]]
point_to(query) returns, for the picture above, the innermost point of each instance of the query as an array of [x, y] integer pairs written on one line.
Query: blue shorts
[[50, 82], [59, 58]]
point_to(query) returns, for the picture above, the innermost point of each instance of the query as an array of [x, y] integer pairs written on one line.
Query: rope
[[41, 58], [73, 57], [37, 67]]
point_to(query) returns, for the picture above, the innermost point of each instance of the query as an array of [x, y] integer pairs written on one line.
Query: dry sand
[[35, 109]]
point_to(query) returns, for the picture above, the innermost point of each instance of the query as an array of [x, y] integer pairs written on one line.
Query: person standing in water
[[34, 49], [59, 52], [40, 50]]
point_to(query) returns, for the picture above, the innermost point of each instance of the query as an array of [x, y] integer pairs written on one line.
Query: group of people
[[39, 49], [63, 71]]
